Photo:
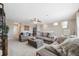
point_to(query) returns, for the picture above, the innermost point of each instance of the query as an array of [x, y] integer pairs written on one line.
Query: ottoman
[[35, 42]]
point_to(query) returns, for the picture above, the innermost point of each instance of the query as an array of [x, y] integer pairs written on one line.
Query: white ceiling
[[24, 12]]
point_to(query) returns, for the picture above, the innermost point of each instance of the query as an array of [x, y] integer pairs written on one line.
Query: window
[[26, 28], [64, 24]]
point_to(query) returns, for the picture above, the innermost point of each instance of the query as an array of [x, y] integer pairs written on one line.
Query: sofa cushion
[[45, 34], [51, 35], [45, 52], [60, 39], [70, 46], [73, 50], [39, 33], [53, 50]]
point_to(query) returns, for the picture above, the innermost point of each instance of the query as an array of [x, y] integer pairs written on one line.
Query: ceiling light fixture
[[55, 24], [36, 21]]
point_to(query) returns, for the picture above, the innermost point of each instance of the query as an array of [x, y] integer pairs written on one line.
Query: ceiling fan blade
[[38, 20]]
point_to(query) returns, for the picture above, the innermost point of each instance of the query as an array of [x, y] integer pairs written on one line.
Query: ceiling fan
[[36, 20]]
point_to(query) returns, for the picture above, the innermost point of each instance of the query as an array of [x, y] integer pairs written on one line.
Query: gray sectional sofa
[[45, 37], [24, 36], [69, 47]]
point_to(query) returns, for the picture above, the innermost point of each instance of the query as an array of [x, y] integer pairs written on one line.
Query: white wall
[[72, 26], [11, 34], [48, 28], [58, 30], [11, 25]]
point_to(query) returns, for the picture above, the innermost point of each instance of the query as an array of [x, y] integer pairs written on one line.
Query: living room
[[42, 29]]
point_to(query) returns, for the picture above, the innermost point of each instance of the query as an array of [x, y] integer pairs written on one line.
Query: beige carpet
[[16, 48]]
